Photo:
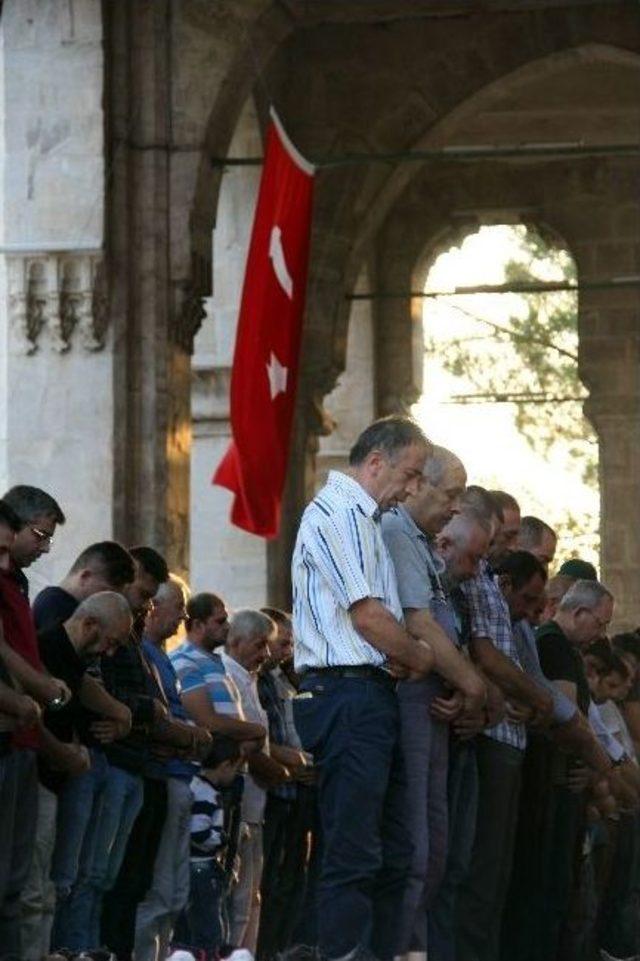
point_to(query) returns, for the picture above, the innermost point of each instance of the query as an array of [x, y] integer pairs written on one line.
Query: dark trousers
[[351, 726], [463, 804], [18, 817], [425, 749], [548, 855], [482, 895], [204, 923], [288, 825], [136, 873]]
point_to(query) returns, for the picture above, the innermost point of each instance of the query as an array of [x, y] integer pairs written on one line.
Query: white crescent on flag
[[276, 255]]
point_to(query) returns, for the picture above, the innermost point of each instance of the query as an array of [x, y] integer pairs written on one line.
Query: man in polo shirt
[[500, 750], [209, 695], [167, 895], [348, 637], [409, 533]]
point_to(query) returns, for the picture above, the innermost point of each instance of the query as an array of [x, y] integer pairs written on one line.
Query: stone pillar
[[224, 559], [351, 404], [56, 372], [610, 367]]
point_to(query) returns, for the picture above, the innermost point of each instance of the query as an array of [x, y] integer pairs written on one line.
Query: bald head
[[99, 624], [462, 543], [444, 481]]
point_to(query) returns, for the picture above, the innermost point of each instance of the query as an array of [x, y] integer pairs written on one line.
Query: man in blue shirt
[[169, 889]]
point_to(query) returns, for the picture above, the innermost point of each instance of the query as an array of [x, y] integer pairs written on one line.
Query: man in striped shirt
[[500, 749], [349, 643]]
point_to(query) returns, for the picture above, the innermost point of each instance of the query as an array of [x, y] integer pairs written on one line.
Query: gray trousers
[[38, 898], [169, 891], [482, 895], [425, 747], [18, 818]]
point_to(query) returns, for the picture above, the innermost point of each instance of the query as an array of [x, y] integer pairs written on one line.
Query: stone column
[[610, 367], [351, 404], [56, 372]]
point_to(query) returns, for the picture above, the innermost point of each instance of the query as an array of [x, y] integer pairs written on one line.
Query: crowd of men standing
[[437, 754]]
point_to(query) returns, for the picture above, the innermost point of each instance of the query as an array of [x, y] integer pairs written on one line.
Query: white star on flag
[[276, 253], [277, 376]]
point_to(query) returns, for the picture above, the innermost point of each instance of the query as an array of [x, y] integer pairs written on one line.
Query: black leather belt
[[366, 672]]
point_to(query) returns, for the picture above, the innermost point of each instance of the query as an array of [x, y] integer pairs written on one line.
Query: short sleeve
[[556, 659], [342, 550], [190, 678], [482, 614], [61, 660], [414, 586]]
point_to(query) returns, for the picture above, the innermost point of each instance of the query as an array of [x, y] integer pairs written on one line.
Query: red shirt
[[20, 633]]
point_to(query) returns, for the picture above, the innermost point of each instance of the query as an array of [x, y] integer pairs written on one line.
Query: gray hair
[[461, 526], [584, 594], [107, 607], [532, 530], [388, 434], [246, 624], [172, 586], [437, 462]]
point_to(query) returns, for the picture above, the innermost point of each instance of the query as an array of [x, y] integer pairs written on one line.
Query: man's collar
[[411, 525], [350, 487], [236, 666]]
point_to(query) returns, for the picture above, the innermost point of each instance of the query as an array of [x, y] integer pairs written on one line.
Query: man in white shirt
[[245, 651], [349, 642]]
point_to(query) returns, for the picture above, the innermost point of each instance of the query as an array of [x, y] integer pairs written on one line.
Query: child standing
[[203, 922]]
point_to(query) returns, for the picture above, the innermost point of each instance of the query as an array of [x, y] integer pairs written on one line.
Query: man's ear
[[504, 581]]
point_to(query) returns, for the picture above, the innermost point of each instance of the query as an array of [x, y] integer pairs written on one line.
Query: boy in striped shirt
[[203, 924]]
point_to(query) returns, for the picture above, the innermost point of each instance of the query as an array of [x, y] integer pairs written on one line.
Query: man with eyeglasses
[[36, 515]]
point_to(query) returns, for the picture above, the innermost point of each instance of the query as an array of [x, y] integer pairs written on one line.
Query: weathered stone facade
[[123, 236]]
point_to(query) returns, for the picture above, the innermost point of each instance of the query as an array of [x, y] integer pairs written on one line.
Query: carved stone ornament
[[61, 294], [189, 315]]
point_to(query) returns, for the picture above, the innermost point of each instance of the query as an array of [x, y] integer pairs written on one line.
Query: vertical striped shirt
[[339, 559], [490, 618]]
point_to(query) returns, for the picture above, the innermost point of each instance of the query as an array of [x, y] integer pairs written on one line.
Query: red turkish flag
[[265, 363]]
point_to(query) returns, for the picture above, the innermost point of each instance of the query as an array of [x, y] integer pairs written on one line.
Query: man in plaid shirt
[[500, 749]]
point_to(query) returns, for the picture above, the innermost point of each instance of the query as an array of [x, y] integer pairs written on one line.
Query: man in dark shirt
[[113, 809], [555, 828], [97, 625], [105, 566]]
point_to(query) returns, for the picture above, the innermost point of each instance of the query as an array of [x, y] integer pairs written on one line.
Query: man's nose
[[413, 486], [45, 547]]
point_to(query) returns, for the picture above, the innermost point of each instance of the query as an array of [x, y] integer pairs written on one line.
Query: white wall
[[56, 405]]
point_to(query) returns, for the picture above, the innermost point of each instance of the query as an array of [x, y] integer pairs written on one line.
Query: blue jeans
[[115, 807], [204, 922], [79, 804], [463, 804], [351, 726], [425, 749]]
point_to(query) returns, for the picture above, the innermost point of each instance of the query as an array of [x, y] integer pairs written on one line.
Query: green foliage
[[531, 360]]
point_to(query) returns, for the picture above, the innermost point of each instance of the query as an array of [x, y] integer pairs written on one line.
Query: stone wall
[[56, 368]]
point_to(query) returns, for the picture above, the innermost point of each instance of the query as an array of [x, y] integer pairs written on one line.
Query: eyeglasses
[[42, 535]]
